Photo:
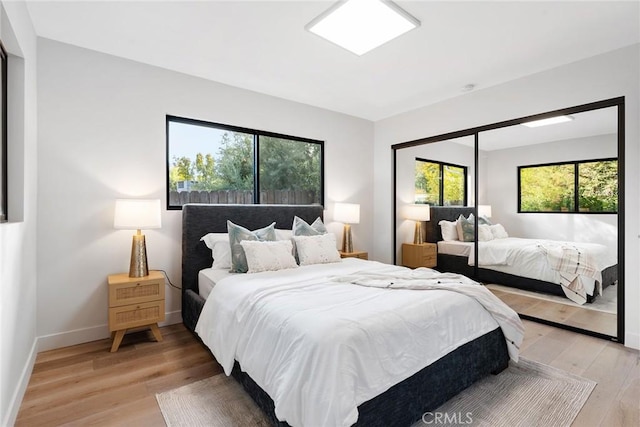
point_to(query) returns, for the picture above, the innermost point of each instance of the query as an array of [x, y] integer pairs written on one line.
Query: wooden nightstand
[[424, 255], [354, 254], [135, 302]]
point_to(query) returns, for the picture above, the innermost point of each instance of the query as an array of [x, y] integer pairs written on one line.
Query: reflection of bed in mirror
[[534, 274]]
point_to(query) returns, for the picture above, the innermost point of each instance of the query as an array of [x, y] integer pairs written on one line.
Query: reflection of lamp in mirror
[[484, 210], [137, 214], [417, 213], [347, 213]]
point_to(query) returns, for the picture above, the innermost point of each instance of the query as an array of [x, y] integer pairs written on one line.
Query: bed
[[454, 257], [402, 403]]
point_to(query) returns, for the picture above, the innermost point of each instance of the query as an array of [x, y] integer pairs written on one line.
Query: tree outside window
[[440, 184], [211, 163], [580, 186]]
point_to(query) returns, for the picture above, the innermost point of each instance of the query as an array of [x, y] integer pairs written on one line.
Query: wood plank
[[86, 385]]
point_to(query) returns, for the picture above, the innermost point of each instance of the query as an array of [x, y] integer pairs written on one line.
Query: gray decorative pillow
[[237, 234], [483, 220], [459, 227], [302, 228], [466, 228]]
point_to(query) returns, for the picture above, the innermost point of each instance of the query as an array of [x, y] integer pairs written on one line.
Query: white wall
[[601, 77], [18, 237], [500, 183], [102, 133]]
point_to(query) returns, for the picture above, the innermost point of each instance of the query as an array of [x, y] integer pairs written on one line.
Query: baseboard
[[94, 333], [21, 388], [632, 340]]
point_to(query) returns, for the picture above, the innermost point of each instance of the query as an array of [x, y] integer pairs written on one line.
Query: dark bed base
[[406, 402], [459, 264]]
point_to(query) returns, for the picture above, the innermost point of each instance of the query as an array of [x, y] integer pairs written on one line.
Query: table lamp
[[137, 214], [417, 213], [347, 213], [484, 210]]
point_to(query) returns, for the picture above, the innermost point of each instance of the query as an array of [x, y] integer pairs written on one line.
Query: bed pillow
[[498, 231], [268, 256], [320, 249], [302, 228], [237, 234], [283, 234], [449, 230], [484, 220], [484, 233], [220, 249], [466, 228]]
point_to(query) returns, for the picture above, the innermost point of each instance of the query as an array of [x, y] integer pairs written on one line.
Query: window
[[582, 186], [214, 163], [440, 184]]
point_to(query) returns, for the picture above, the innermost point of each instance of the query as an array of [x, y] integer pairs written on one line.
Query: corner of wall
[[14, 404]]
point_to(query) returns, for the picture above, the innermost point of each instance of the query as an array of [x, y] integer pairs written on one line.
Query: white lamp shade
[[137, 214], [417, 212], [484, 210], [348, 213]]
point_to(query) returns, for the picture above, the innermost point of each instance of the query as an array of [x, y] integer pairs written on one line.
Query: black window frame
[[4, 188], [441, 189], [256, 152], [576, 187]]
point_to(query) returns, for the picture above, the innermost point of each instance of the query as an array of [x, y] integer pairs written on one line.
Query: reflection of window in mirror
[[440, 184], [588, 186]]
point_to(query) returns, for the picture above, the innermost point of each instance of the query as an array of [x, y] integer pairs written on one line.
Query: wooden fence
[[242, 197]]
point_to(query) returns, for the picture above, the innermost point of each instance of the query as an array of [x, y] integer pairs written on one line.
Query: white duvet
[[530, 258], [320, 347]]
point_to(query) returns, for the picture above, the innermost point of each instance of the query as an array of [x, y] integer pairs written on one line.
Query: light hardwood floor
[[86, 385], [579, 317]]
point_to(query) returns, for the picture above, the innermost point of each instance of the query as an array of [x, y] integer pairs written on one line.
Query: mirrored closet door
[[544, 207]]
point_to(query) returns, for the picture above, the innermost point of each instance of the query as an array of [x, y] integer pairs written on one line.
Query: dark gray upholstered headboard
[[200, 219], [448, 213]]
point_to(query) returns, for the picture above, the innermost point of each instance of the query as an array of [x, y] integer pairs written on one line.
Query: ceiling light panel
[[362, 25], [549, 121]]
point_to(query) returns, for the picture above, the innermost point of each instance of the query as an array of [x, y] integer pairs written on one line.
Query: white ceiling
[[262, 45]]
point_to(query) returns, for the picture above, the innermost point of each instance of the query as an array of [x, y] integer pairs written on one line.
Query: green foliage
[[427, 184], [547, 188], [289, 165], [235, 165], [552, 188], [454, 190], [598, 186], [284, 165]]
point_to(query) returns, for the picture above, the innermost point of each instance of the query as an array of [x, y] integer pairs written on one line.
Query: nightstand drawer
[[422, 255], [135, 292], [134, 315]]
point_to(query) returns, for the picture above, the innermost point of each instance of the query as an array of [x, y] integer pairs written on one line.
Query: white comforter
[[537, 259], [320, 347]]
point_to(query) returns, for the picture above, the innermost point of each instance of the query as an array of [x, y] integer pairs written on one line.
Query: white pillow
[[498, 231], [320, 249], [484, 233], [283, 234], [269, 255], [220, 249], [449, 230]]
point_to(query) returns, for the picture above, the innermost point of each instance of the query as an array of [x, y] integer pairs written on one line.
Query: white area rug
[[607, 302], [527, 394]]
